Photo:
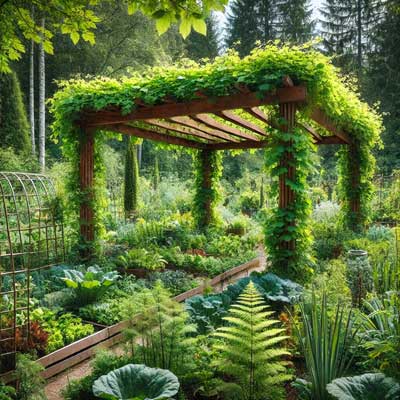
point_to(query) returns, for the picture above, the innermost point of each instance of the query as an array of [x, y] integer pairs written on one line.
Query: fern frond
[[247, 351]]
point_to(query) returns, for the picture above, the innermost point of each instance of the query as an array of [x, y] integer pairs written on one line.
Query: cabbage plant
[[364, 387], [136, 382]]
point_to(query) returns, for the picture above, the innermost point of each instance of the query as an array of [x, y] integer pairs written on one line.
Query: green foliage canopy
[[78, 19], [261, 71]]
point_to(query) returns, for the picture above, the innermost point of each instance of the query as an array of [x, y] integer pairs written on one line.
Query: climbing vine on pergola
[[284, 99]]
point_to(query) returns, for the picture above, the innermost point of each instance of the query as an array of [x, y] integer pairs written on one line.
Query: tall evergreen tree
[[346, 28], [242, 31], [296, 24], [199, 46], [14, 127], [383, 83], [131, 186], [251, 21]]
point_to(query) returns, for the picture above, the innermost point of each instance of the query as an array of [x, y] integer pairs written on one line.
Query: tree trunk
[[359, 37], [32, 94], [32, 99], [42, 107]]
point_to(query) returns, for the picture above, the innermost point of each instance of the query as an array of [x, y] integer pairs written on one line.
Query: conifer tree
[[199, 46], [131, 179], [383, 83], [346, 28], [14, 127], [248, 352], [296, 24], [242, 27]]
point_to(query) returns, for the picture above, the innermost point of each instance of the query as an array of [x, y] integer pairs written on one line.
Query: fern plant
[[247, 351]]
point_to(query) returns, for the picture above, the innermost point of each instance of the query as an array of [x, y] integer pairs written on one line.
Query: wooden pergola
[[209, 124]]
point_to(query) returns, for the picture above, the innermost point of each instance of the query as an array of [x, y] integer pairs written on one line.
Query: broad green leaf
[[136, 381], [199, 26], [74, 37], [162, 24], [185, 27]]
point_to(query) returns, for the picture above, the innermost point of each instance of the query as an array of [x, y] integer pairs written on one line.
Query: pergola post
[[86, 174], [287, 112], [207, 173], [354, 194]]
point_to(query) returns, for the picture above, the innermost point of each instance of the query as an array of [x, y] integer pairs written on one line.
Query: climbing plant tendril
[[260, 72], [208, 171], [290, 223]]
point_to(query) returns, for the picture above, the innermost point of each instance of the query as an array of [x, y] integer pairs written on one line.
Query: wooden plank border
[[73, 354]]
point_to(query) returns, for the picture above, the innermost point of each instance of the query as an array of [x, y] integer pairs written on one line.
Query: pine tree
[[383, 84], [14, 127], [247, 352], [131, 179], [296, 24], [346, 29], [199, 46], [242, 27]]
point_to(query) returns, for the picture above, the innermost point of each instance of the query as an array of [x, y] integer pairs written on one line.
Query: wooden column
[[354, 195], [287, 112], [207, 181], [86, 172]]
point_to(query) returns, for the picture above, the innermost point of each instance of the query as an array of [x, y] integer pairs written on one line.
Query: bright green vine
[[261, 72], [289, 224], [208, 171]]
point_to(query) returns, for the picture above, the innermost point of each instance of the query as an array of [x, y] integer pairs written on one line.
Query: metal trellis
[[31, 240]]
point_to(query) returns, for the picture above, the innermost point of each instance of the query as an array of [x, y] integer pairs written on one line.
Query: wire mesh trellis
[[31, 240]]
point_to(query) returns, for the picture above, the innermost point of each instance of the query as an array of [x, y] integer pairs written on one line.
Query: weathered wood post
[[287, 112], [86, 173]]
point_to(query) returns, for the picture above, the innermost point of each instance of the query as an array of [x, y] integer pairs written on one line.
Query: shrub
[[159, 337], [380, 332], [325, 343], [207, 312], [174, 281], [247, 352], [30, 381], [142, 258]]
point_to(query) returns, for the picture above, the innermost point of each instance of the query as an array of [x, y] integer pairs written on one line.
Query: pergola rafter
[[208, 124]]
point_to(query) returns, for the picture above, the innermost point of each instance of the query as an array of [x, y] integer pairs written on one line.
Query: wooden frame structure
[[237, 121]]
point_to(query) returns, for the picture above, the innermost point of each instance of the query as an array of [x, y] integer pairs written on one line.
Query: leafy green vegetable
[[136, 381], [208, 311], [364, 387], [88, 286]]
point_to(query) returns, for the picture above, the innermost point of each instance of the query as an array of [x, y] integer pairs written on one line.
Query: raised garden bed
[[76, 352]]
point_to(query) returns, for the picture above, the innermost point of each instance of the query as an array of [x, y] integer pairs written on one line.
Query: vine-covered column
[[86, 176], [208, 170], [355, 191], [287, 232]]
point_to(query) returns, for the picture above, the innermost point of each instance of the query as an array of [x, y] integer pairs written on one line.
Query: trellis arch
[[277, 98], [31, 240]]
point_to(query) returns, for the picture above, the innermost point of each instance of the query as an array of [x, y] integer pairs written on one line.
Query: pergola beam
[[179, 128], [152, 135], [235, 119], [293, 94], [245, 144], [189, 122], [212, 123], [322, 119]]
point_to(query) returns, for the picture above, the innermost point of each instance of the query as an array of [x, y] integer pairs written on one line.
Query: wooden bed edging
[[76, 352]]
